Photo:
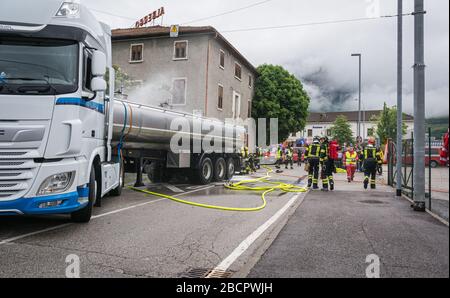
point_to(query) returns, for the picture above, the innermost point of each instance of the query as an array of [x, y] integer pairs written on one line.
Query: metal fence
[[436, 176], [408, 166]]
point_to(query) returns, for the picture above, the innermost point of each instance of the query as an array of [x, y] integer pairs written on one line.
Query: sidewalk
[[331, 234]]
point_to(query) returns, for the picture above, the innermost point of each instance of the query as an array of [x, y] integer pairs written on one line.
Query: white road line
[[228, 261], [33, 233], [173, 188], [95, 217]]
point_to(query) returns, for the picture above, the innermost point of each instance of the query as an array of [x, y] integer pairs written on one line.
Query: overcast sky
[[319, 55]]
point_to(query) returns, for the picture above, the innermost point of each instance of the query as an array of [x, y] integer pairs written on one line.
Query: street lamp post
[[359, 97]]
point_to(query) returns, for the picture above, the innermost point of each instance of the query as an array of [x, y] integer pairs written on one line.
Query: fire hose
[[245, 185]]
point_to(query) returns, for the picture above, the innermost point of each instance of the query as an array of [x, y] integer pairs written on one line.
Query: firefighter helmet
[[316, 140]]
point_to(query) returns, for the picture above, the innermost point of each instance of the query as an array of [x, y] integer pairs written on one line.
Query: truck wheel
[[434, 164], [84, 215], [206, 172], [155, 172], [231, 168], [220, 170], [116, 192]]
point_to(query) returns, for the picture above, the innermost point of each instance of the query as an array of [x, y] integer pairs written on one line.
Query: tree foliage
[[279, 94], [387, 124], [341, 130], [122, 79]]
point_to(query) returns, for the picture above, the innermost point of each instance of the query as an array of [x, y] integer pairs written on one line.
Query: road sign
[[174, 31]]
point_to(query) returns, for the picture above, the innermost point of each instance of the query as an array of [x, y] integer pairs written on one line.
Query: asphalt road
[[331, 236], [137, 235]]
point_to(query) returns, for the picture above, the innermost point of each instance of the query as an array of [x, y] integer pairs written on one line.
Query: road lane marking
[[34, 233], [9, 240], [173, 188], [228, 261]]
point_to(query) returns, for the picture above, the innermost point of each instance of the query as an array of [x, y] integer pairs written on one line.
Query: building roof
[[161, 31], [352, 116]]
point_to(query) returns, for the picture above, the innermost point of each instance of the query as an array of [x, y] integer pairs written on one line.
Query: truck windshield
[[38, 67]]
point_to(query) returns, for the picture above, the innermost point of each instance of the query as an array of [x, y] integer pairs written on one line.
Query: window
[[370, 132], [310, 133], [136, 53], [180, 50], [25, 57], [220, 98], [237, 71], [222, 59], [328, 132], [250, 81], [87, 70], [236, 111], [179, 91]]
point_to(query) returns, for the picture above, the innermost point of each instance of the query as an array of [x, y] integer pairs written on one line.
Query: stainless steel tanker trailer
[[142, 137]]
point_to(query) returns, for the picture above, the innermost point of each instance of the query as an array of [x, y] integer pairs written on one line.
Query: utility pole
[[359, 97], [419, 107], [399, 98]]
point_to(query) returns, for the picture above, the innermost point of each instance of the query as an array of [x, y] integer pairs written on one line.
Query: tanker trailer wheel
[[230, 168], [204, 174], [84, 215], [220, 170], [155, 172]]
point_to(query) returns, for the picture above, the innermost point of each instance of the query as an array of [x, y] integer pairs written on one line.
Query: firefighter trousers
[[370, 172], [313, 174], [327, 174]]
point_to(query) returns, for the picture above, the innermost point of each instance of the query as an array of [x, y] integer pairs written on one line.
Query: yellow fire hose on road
[[240, 186]]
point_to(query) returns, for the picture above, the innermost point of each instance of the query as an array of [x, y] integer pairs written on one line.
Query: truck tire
[[205, 173], [117, 192], [84, 215], [155, 172], [434, 164], [220, 170], [231, 168]]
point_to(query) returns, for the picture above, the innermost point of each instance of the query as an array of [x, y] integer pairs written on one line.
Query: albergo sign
[[150, 17]]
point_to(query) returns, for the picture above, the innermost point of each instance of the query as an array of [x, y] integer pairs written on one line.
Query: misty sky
[[319, 55]]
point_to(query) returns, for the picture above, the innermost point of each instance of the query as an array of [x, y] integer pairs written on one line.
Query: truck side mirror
[[98, 84], [98, 64]]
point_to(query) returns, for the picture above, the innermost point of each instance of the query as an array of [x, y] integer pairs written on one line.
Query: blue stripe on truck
[[75, 101]]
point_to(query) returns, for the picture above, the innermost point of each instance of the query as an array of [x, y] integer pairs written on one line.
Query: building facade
[[198, 72], [320, 124]]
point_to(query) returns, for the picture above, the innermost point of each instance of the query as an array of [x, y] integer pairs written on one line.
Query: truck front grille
[[16, 174]]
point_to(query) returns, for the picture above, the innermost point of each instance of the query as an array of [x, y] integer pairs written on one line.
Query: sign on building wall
[[151, 17], [174, 31]]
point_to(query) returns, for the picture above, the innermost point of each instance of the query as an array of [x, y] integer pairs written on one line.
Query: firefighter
[[289, 153], [333, 156], [245, 160], [350, 162], [380, 159], [257, 158], [279, 157], [324, 162], [371, 158], [313, 158]]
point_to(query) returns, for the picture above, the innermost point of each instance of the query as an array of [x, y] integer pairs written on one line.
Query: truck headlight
[[56, 183], [69, 10]]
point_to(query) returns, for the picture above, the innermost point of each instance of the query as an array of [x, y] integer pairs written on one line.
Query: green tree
[[387, 124], [279, 94], [342, 131], [122, 79]]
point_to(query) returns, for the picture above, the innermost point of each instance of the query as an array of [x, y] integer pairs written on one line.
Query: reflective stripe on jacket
[[314, 150]]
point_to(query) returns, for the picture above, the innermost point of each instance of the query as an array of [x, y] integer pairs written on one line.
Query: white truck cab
[[55, 110]]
